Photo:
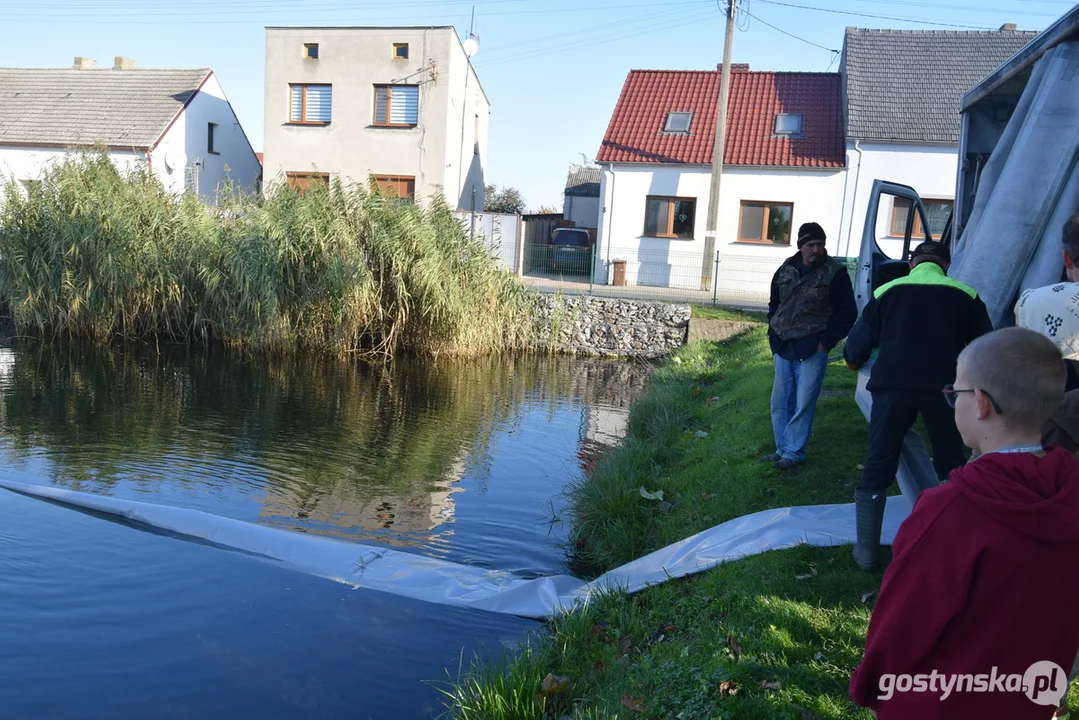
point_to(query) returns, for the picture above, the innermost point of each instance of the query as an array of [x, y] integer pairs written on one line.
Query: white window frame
[[797, 132], [667, 125]]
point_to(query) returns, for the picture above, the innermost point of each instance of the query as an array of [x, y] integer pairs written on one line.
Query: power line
[[612, 38], [938, 6], [878, 17], [116, 14], [586, 31], [807, 42]]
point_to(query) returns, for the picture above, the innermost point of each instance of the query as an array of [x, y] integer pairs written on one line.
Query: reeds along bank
[[91, 253]]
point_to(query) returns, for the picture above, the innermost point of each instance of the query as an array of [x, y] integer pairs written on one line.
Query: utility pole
[[717, 158]]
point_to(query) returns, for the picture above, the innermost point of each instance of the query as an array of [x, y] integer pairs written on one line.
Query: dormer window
[[789, 125], [678, 122]]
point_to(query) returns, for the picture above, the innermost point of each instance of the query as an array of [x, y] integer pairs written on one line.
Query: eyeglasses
[[951, 393]]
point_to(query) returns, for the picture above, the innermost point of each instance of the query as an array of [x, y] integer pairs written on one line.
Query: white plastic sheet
[[448, 583]]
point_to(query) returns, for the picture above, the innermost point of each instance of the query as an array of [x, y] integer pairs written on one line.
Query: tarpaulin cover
[[448, 583], [1028, 190]]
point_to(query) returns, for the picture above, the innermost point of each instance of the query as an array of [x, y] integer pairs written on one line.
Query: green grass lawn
[[710, 312], [771, 636]]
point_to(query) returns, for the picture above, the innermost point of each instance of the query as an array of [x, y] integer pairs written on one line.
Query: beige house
[[402, 105]]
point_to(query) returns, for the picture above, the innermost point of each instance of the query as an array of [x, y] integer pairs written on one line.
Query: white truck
[[1016, 186]]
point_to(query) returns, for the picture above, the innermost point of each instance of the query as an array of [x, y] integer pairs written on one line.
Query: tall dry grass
[[93, 253]]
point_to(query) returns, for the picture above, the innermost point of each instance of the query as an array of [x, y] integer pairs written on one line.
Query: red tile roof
[[636, 135]]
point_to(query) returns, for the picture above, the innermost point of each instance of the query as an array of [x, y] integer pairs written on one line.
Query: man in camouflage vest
[[810, 310]]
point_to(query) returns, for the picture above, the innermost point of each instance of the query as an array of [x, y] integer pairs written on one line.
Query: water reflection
[[459, 459]]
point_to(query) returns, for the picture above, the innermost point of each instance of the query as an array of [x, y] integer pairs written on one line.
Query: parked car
[[570, 251]]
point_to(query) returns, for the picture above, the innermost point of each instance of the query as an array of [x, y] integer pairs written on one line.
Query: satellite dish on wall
[[175, 160], [472, 45]]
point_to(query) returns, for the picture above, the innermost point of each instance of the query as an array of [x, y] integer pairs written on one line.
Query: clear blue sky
[[552, 68]]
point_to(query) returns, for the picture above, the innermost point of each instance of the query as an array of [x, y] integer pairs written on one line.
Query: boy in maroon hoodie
[[981, 586]]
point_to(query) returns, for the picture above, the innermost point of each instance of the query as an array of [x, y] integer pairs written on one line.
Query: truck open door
[[895, 222]]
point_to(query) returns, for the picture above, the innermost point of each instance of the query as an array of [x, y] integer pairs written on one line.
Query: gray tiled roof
[[906, 85], [583, 182], [88, 107]]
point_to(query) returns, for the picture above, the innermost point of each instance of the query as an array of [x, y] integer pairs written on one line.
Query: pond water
[[461, 461]]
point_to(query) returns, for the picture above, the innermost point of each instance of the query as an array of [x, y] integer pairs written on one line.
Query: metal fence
[[725, 279]]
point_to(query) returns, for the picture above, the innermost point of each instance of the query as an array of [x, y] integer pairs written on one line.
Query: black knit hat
[[932, 249], [810, 231]]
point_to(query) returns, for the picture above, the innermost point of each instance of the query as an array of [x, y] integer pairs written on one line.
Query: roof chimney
[[82, 63], [1009, 27], [735, 67], [123, 63]]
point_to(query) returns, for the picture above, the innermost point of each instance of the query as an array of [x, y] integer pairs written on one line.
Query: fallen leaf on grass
[[599, 632], [866, 597], [630, 703], [713, 400], [554, 692], [812, 573], [734, 646], [700, 434], [627, 644], [664, 630], [657, 495], [728, 688], [771, 685], [554, 685], [818, 656]]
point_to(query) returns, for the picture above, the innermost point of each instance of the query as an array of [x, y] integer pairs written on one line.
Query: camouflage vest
[[805, 302]]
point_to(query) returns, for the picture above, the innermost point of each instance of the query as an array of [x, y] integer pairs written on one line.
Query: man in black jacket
[[810, 310], [920, 323]]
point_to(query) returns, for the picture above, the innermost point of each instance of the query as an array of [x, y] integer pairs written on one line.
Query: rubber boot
[[869, 516]]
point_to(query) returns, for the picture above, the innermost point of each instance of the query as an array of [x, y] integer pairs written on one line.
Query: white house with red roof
[[784, 165]]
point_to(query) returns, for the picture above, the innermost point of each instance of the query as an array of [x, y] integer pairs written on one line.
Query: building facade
[[580, 204], [177, 121], [401, 105], [784, 166]]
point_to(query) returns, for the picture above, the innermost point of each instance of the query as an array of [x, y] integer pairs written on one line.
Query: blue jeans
[[794, 402]]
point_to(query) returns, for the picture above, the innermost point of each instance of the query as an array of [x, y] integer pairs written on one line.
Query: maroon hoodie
[[983, 576]]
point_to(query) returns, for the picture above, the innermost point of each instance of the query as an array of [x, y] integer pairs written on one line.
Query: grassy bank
[[771, 636], [91, 253], [714, 312]]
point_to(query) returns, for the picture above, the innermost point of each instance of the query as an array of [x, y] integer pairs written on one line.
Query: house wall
[[746, 269], [30, 163], [929, 169], [584, 211], [467, 121], [235, 158], [353, 61]]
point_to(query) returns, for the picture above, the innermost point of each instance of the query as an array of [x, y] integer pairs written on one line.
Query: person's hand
[[821, 348], [851, 366]]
